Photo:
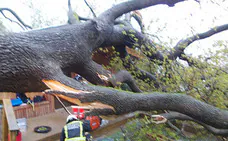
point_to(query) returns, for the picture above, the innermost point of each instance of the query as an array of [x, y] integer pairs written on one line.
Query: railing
[[9, 124]]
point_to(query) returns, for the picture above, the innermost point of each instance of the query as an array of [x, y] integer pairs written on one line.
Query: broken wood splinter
[[57, 86]]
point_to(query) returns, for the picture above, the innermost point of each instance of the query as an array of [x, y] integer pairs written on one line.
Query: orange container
[[78, 112]]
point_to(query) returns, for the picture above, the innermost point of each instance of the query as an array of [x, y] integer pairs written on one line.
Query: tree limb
[[123, 35], [124, 102], [97, 75], [16, 16], [116, 11], [138, 17], [73, 17], [182, 44], [179, 116], [144, 75], [168, 116], [94, 15]]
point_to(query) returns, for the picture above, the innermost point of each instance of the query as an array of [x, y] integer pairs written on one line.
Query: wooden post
[[9, 121], [5, 128]]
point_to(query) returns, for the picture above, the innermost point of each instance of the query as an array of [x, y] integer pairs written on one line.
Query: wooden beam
[[8, 108], [5, 128], [9, 120]]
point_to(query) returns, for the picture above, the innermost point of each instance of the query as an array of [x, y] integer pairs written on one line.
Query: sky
[[169, 24]]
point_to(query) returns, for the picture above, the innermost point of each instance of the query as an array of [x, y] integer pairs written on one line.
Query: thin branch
[[16, 16], [83, 18], [144, 75], [179, 116], [12, 20], [182, 44], [94, 15], [73, 18], [149, 47], [138, 17], [175, 128]]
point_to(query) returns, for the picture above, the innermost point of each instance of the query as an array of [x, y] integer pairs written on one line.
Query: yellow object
[[71, 126], [32, 104], [76, 16]]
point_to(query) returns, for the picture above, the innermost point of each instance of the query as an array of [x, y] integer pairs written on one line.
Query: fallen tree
[[28, 58]]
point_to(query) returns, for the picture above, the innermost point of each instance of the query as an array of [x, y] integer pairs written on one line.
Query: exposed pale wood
[[5, 128], [7, 95], [12, 123], [55, 85]]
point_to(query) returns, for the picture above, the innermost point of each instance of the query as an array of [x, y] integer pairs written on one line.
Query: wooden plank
[[10, 116], [4, 127], [13, 135], [51, 99], [7, 95]]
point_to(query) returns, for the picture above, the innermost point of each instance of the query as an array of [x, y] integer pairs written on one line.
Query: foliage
[[203, 77]]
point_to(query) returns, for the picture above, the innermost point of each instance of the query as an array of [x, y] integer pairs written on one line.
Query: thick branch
[[125, 77], [130, 37], [123, 35], [91, 72], [111, 14], [124, 102]]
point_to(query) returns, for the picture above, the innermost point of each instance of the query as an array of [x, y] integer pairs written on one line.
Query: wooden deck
[[55, 120]]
